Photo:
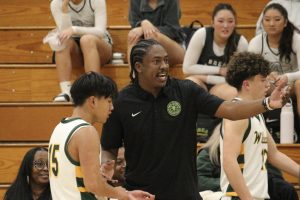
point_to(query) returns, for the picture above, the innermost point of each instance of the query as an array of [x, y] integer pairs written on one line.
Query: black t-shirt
[[159, 136]]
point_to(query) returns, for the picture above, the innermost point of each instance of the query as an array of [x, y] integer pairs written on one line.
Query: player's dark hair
[[92, 84], [245, 65]]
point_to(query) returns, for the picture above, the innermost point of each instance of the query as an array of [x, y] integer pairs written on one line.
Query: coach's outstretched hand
[[280, 95]]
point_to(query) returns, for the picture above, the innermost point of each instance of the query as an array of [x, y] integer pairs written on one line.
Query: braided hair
[[137, 53]]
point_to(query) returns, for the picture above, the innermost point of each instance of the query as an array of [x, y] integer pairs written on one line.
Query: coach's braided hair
[[137, 53]]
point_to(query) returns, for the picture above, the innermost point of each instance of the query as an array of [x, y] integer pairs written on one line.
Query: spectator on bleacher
[[32, 181], [280, 45], [154, 117], [158, 20], [75, 144], [246, 145], [292, 7], [210, 49], [82, 31], [209, 171], [120, 165]]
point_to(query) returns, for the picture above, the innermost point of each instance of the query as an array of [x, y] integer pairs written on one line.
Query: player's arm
[[87, 144], [232, 141], [280, 160]]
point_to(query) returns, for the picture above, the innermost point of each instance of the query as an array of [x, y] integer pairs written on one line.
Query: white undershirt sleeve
[[296, 48], [62, 20], [213, 79], [255, 44], [192, 55], [242, 45]]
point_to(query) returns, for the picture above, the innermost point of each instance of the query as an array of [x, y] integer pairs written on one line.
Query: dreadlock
[[137, 53]]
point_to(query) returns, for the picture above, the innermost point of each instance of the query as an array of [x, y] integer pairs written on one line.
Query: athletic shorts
[[107, 38]]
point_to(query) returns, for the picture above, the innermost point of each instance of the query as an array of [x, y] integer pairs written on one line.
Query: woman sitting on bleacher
[[210, 49], [280, 45], [32, 182], [158, 20], [83, 35]]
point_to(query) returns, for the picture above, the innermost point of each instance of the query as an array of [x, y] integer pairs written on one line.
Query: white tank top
[[272, 55], [82, 14], [66, 179], [252, 160]]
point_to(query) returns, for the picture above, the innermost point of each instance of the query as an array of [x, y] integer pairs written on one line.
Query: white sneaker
[[62, 97]]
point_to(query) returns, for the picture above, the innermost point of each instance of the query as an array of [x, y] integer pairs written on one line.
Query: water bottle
[[287, 124]]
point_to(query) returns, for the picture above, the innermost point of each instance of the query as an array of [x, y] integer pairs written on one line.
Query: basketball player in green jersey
[[74, 147], [246, 144]]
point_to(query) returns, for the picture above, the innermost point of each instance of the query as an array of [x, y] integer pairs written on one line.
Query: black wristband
[[265, 103]]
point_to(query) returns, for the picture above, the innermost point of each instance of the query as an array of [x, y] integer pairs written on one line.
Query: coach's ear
[[138, 66]]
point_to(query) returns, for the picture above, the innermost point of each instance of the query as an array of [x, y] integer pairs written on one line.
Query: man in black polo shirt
[[155, 117]]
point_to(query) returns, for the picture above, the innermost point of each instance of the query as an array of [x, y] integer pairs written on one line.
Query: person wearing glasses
[[32, 181]]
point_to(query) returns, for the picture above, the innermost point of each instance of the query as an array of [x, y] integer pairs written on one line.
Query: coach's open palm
[[279, 96], [140, 195]]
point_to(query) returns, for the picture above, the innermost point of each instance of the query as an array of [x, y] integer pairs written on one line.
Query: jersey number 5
[[53, 160]]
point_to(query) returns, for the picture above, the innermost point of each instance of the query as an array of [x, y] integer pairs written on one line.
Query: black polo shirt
[[159, 135]]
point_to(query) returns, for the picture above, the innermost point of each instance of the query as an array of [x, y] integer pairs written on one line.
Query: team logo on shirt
[[174, 108]]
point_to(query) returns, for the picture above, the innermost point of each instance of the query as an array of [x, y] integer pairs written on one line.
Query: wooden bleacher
[[24, 26], [29, 79], [38, 82]]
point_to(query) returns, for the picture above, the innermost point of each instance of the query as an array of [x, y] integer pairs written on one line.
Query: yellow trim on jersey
[[231, 194], [242, 165], [242, 150], [82, 189], [78, 172]]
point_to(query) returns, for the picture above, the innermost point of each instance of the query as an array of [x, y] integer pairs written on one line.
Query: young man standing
[[246, 144], [74, 147]]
